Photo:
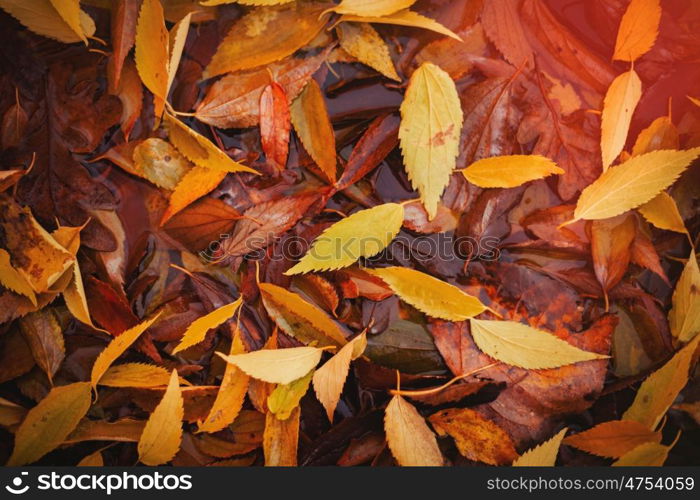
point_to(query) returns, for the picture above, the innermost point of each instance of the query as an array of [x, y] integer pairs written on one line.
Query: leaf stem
[[427, 392]]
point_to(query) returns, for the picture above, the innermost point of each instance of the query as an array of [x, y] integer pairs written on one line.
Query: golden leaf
[[151, 53], [431, 122], [428, 294], [330, 378], [266, 35], [632, 183], [256, 3], [521, 345], [13, 280], [510, 171], [404, 18], [644, 455], [160, 163], [286, 397], [229, 399], [41, 17], [312, 125], [135, 375], [70, 12], [162, 434], [543, 455], [613, 439], [409, 438], [281, 439], [196, 183], [74, 296], [619, 104], [684, 317], [116, 348], [476, 437], [363, 43], [638, 29], [661, 134], [660, 389], [299, 318], [371, 8], [662, 211], [198, 329], [362, 234], [277, 366], [49, 423], [177, 38]]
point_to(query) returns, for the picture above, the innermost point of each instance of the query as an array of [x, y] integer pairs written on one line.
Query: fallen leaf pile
[[352, 232]]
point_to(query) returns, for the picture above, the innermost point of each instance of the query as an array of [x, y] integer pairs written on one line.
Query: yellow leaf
[[362, 42], [162, 435], [521, 345], [92, 460], [41, 17], [543, 455], [404, 18], [694, 100], [613, 439], [13, 280], [266, 35], [299, 318], [429, 295], [371, 8], [151, 53], [661, 134], [281, 439], [619, 104], [135, 375], [74, 295], [660, 389], [638, 29], [476, 437], [510, 171], [286, 397], [409, 438], [209, 3], [330, 378], [362, 234], [197, 182], [70, 11], [198, 329], [684, 317], [116, 348], [277, 366], [200, 150], [644, 455], [160, 163], [431, 122], [48, 424], [177, 38], [662, 211], [229, 399], [632, 183]]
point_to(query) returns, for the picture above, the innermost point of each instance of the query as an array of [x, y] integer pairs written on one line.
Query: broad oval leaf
[[431, 123], [660, 134], [662, 211], [509, 171], [41, 17], [430, 295], [404, 18], [362, 42], [409, 438], [638, 29], [299, 318], [198, 329], [619, 105], [371, 7], [160, 163], [613, 439], [277, 366], [543, 455], [162, 434], [521, 345], [684, 317], [135, 375], [275, 124], [49, 423], [632, 183], [362, 234]]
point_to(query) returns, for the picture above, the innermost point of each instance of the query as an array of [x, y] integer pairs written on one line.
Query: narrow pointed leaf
[[543, 455], [404, 18], [662, 211], [162, 434], [613, 439], [152, 51], [371, 7], [197, 331], [281, 440], [619, 105], [645, 455], [510, 171], [684, 317], [135, 375]]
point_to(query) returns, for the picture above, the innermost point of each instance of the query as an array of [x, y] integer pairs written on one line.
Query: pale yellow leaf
[[286, 397], [13, 280], [684, 317], [430, 295], [362, 42], [229, 399], [160, 163], [613, 439], [510, 171], [409, 438], [281, 439], [431, 122], [162, 434], [197, 182], [116, 348], [638, 29], [362, 234], [660, 389], [660, 134], [48, 424], [618, 106], [70, 11], [543, 455], [151, 53], [371, 8], [521, 345], [632, 183], [662, 211], [404, 18], [299, 318], [135, 375], [41, 17], [645, 455], [277, 366], [330, 378], [198, 329], [177, 38]]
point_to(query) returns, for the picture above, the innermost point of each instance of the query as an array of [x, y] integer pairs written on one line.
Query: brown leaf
[[123, 27], [611, 241], [202, 224], [614, 438]]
